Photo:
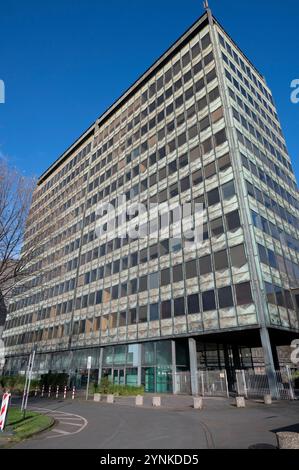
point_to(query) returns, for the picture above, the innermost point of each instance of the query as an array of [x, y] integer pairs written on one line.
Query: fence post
[[49, 391], [43, 389], [226, 384], [202, 383]]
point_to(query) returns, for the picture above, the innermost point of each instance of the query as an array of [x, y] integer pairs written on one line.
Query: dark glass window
[[221, 260], [238, 257], [208, 301], [233, 220], [217, 227], [143, 314], [205, 265], [263, 254], [193, 304], [225, 297], [143, 283], [191, 270], [177, 272], [154, 312], [179, 307], [213, 197], [243, 292], [228, 190], [165, 277], [166, 309]]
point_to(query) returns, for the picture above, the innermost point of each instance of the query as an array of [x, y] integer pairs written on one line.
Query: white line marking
[[70, 424], [60, 416], [60, 431]]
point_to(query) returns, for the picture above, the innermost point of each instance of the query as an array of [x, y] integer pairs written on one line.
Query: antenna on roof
[[206, 5]]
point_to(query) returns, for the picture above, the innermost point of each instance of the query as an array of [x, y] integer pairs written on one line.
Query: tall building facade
[[198, 127]]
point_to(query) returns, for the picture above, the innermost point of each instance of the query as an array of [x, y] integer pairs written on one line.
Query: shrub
[[106, 387]]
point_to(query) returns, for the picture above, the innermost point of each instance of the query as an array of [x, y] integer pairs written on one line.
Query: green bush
[[106, 387]]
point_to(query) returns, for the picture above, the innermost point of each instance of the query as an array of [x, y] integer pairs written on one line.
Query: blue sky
[[65, 61]]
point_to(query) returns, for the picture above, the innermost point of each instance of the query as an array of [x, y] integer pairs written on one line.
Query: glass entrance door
[[119, 377]]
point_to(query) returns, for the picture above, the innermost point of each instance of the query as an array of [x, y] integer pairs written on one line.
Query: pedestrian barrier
[[255, 384]]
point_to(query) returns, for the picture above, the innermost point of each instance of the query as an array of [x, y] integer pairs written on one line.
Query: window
[[208, 301], [154, 312], [143, 314], [166, 309], [165, 277], [185, 184], [132, 316], [122, 318], [154, 280], [210, 170], [233, 220], [279, 296], [193, 304], [177, 272], [179, 307], [143, 284], [263, 254], [217, 227], [243, 293], [228, 190], [197, 177], [213, 197], [224, 162], [221, 260], [205, 265], [272, 259], [164, 247], [225, 297], [238, 257], [220, 137], [191, 270]]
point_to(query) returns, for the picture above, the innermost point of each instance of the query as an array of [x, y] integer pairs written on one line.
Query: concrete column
[[193, 365], [139, 365], [100, 365], [173, 355], [269, 363]]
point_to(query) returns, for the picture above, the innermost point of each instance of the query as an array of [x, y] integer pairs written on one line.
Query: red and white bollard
[[57, 391], [43, 390], [49, 391], [64, 393], [73, 393]]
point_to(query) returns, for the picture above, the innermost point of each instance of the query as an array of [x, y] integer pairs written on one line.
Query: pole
[[29, 381], [26, 381], [88, 380]]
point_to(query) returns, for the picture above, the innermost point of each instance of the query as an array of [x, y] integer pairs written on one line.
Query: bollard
[[110, 398], [73, 393], [49, 391], [156, 402], [197, 403], [97, 397], [57, 391], [240, 402], [43, 389], [268, 400], [64, 393], [287, 440], [36, 390], [139, 400]]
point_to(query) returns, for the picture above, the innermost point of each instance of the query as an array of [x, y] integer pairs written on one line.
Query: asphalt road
[[89, 425]]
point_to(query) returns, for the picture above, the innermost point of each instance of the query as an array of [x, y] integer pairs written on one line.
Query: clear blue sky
[[65, 61]]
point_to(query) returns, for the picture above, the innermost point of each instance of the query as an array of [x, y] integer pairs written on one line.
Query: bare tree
[[15, 200]]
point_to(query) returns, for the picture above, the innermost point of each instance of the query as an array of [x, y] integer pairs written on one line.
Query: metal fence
[[253, 384], [211, 383]]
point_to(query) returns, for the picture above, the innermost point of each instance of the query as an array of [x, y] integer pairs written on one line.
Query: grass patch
[[24, 428]]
